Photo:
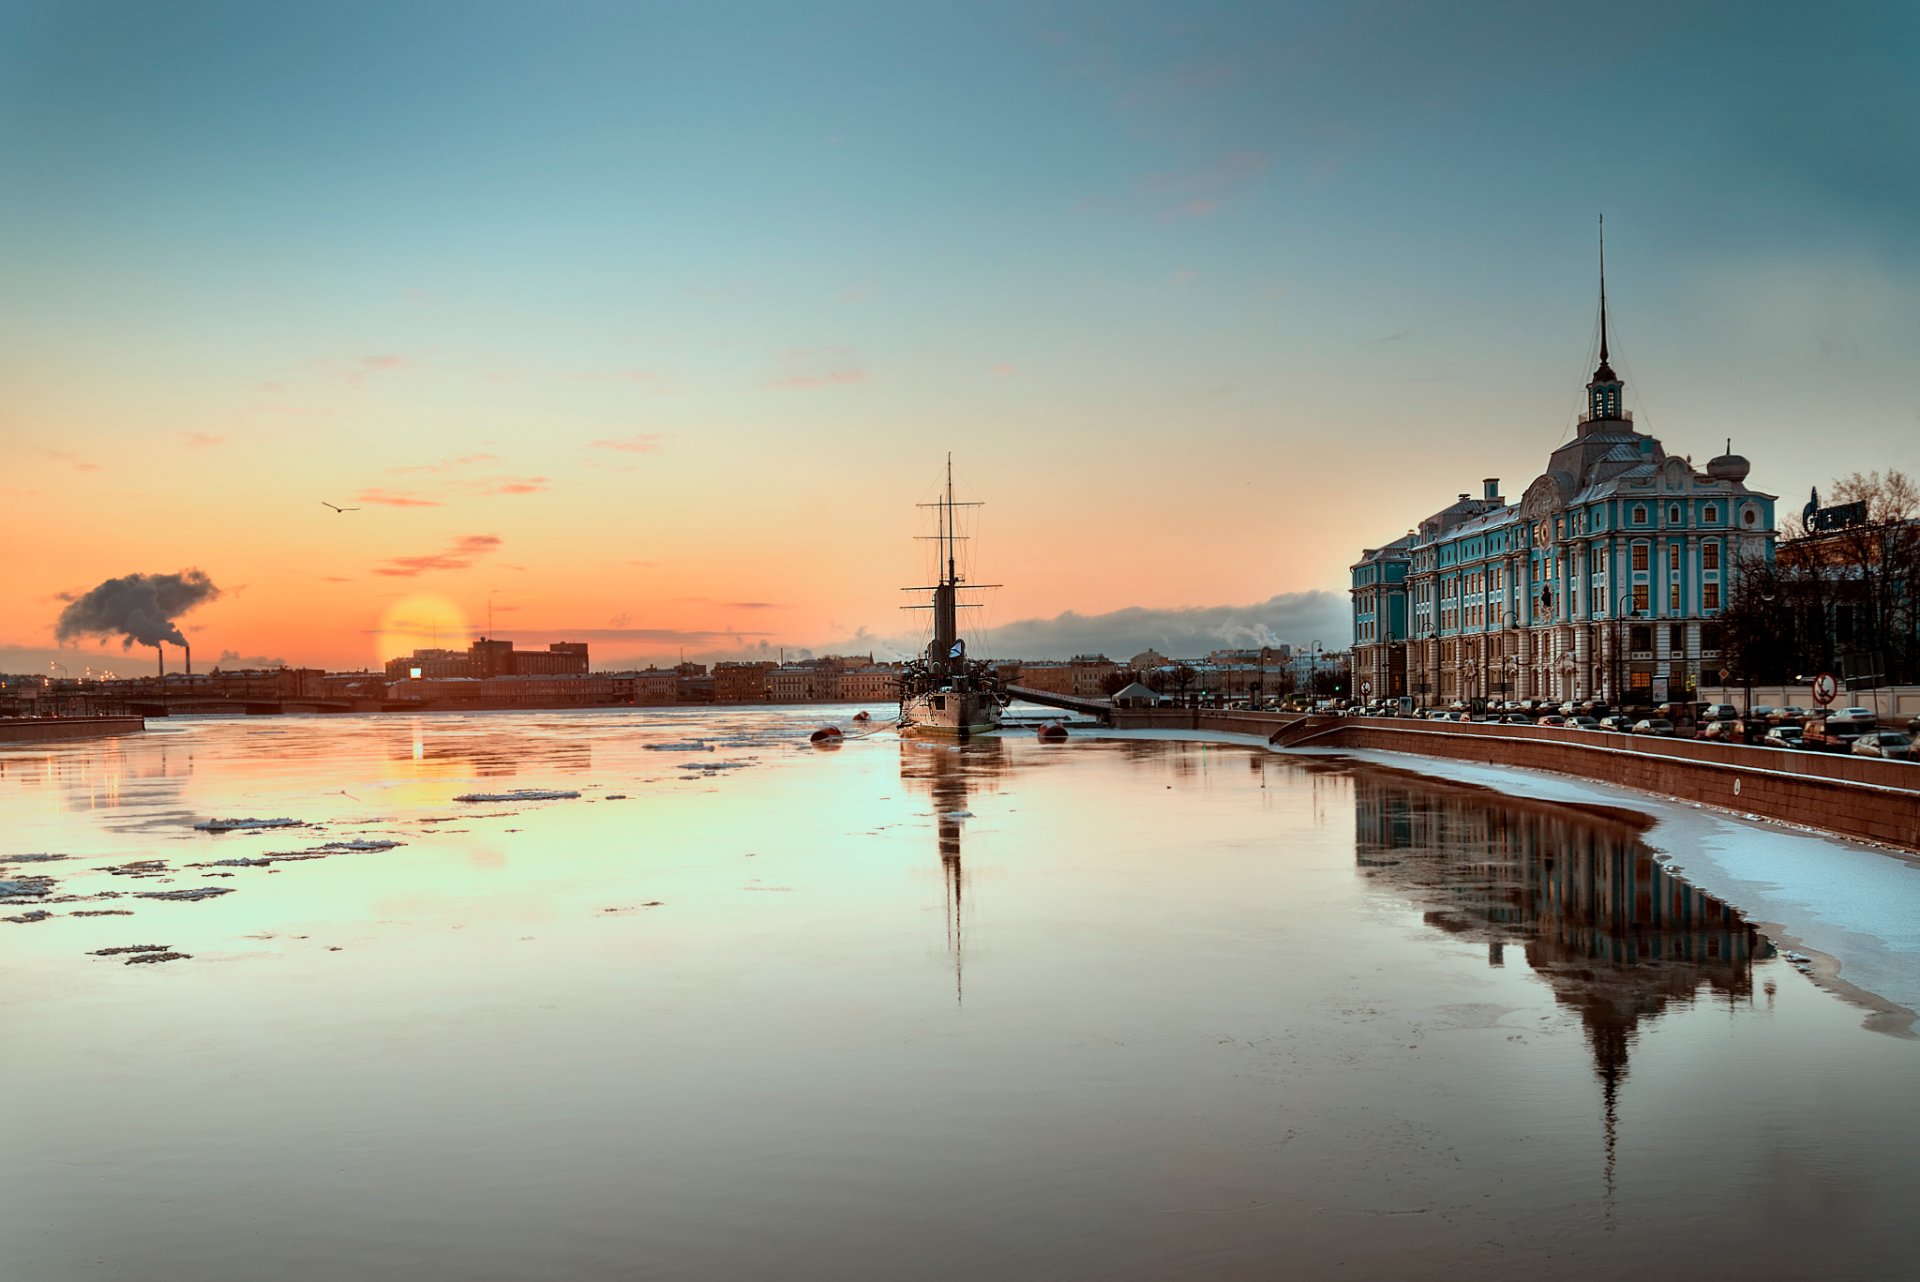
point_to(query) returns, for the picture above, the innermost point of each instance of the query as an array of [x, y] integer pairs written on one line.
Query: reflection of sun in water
[[425, 620]]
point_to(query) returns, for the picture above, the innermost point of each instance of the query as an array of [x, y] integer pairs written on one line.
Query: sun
[[422, 621]]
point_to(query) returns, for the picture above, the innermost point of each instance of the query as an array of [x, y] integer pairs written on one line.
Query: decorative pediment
[[1541, 498]]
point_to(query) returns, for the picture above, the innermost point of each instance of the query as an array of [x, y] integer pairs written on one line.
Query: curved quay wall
[[42, 729], [1848, 796]]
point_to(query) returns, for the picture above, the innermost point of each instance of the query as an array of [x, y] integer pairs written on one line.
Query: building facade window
[[1710, 557], [1710, 596], [1640, 556], [1712, 515], [1640, 598]]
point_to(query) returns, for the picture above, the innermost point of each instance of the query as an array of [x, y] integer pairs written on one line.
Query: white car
[[1852, 715]]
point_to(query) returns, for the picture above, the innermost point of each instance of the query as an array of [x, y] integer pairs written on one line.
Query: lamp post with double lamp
[[1621, 614]]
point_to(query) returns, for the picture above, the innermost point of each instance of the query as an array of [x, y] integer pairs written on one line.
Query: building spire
[[1603, 290], [1603, 391]]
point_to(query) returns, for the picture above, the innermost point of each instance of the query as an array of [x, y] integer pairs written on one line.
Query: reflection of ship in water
[[1617, 937], [951, 773]]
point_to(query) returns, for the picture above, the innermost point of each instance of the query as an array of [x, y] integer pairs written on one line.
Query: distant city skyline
[[649, 328]]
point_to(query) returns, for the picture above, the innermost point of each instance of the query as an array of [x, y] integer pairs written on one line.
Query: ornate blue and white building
[[1606, 580]]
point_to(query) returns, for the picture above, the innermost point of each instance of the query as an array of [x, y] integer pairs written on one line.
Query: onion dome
[[1729, 466]]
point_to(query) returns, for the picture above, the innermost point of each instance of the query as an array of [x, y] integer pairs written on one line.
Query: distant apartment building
[[740, 682], [797, 683], [1049, 676], [489, 658], [578, 690], [874, 683], [1091, 673]]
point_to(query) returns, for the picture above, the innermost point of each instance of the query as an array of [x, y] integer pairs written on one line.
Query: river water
[[740, 1008]]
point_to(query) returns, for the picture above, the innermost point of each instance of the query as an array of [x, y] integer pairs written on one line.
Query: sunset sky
[[649, 324]]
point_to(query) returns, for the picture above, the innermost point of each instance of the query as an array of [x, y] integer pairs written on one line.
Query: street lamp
[[1621, 614]]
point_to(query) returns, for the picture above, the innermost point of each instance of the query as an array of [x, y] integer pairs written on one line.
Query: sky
[[649, 325]]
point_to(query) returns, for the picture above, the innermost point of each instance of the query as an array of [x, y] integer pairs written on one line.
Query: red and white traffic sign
[[1825, 689], [1366, 687]]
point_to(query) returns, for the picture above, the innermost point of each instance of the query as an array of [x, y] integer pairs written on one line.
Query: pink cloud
[[507, 485], [74, 461], [446, 464], [391, 498], [204, 440], [1201, 192], [828, 379], [645, 443], [458, 555], [815, 367]]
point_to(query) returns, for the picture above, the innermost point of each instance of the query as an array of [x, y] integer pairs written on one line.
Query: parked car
[[1853, 716], [1723, 732], [1791, 713], [1764, 712], [1516, 719], [1552, 719], [1654, 726], [1583, 723], [1718, 712], [1834, 735], [1622, 724], [1890, 744], [1782, 737], [1913, 726]]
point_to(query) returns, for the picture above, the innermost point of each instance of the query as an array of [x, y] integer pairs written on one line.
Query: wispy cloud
[[354, 372], [204, 440], [644, 443], [75, 461], [393, 498], [496, 485], [1177, 195], [458, 555], [808, 368], [445, 464]]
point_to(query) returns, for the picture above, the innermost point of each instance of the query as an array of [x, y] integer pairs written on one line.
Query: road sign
[[1825, 689], [1724, 674], [1366, 687]]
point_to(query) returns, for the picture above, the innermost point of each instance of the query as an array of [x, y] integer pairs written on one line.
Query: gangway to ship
[[1100, 708]]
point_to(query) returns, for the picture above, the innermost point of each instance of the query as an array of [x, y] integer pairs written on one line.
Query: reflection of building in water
[[1616, 936], [493, 755], [951, 773]]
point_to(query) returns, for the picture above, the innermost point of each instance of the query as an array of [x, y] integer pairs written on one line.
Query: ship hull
[[949, 713]]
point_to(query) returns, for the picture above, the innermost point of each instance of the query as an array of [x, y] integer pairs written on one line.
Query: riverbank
[[1859, 798], [43, 729]]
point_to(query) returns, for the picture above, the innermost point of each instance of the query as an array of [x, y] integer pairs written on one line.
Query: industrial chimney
[[161, 655], [188, 651]]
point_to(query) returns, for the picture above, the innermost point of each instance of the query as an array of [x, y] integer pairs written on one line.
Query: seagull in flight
[[324, 503]]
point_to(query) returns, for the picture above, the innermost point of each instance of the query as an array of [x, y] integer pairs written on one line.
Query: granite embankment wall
[[1846, 795], [41, 729]]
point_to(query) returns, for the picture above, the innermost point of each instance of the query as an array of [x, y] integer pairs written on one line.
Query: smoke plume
[[138, 608]]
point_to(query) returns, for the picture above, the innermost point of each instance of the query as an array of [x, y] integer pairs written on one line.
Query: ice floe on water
[[22, 887], [138, 958], [247, 825], [40, 858], [357, 846], [187, 894], [521, 794], [713, 767], [690, 745], [38, 914]]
